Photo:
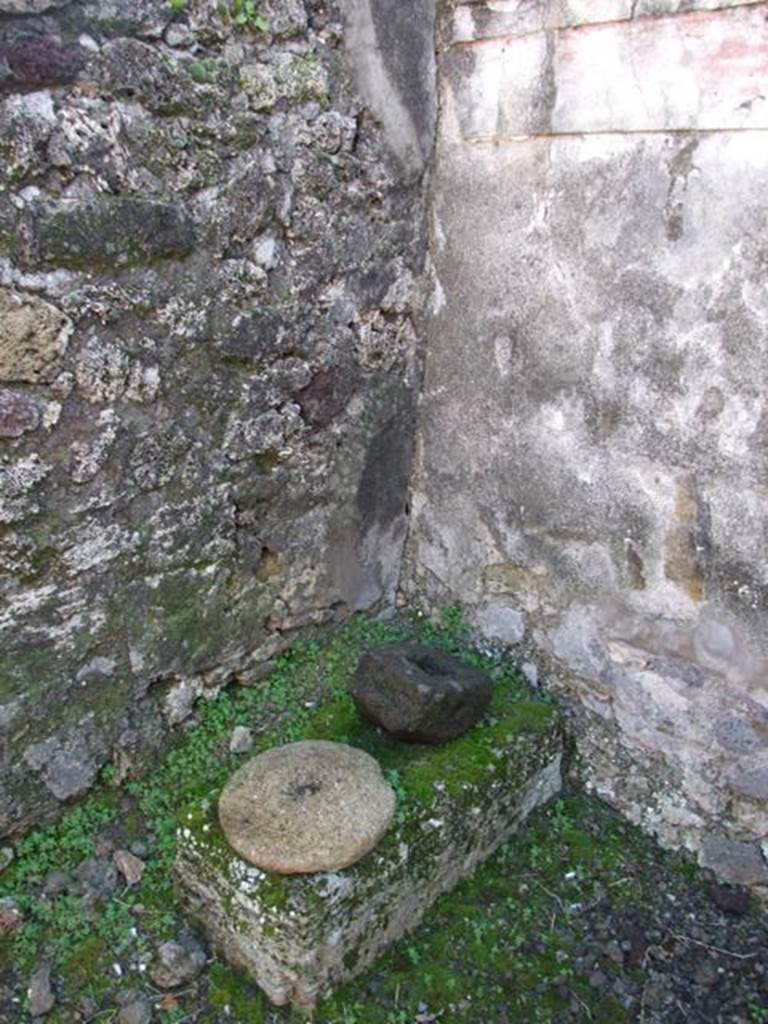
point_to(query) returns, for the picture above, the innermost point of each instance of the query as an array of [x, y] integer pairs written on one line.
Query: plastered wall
[[591, 476]]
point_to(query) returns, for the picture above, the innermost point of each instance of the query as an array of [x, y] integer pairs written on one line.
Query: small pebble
[[129, 866], [11, 917], [40, 994], [241, 740], [177, 964], [6, 857], [136, 1009]]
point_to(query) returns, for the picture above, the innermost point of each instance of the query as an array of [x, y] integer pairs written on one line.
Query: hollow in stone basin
[[306, 807]]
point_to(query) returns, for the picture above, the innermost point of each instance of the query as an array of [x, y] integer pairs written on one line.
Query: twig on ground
[[581, 1003], [643, 994], [549, 892], [167, 992], [714, 949]]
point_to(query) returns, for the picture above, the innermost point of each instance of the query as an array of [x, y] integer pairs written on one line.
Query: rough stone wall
[[208, 257], [591, 467]]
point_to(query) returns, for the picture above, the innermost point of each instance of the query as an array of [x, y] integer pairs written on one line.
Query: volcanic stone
[[306, 807], [419, 694]]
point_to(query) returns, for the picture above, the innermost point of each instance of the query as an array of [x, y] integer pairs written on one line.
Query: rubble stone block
[[301, 935], [33, 336]]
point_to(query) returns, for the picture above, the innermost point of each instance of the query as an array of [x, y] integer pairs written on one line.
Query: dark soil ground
[[578, 918]]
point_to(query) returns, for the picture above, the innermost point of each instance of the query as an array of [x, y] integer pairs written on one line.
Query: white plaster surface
[[703, 70], [488, 19], [592, 451]]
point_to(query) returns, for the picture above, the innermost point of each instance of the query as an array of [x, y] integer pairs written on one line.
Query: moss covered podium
[[308, 866]]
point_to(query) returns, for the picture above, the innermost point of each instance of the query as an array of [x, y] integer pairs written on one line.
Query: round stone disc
[[309, 806]]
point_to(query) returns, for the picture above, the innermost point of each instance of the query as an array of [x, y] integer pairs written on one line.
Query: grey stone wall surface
[[590, 476], [209, 253]]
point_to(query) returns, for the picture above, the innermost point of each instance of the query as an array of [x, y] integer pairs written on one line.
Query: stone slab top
[[306, 807]]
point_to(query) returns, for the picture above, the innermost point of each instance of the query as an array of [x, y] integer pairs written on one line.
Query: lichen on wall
[[209, 261]]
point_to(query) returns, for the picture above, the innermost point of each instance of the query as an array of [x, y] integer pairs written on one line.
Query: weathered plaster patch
[[698, 71]]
